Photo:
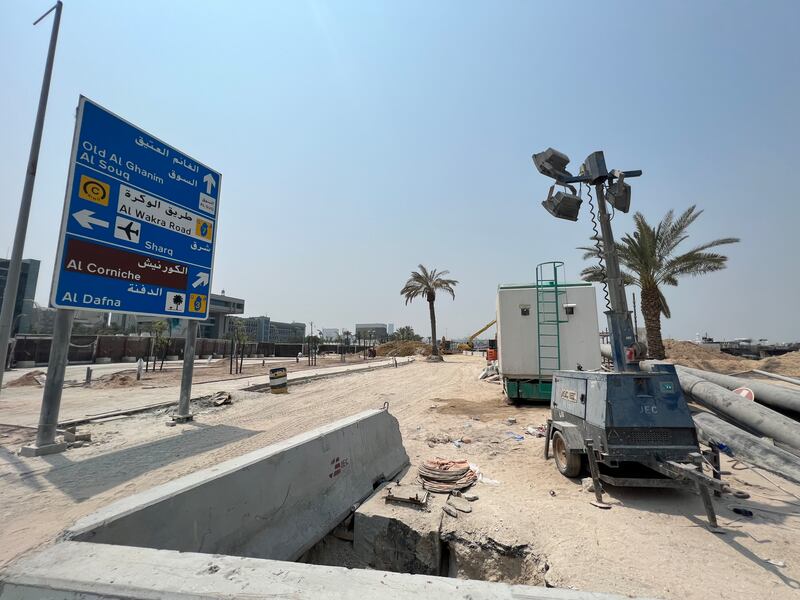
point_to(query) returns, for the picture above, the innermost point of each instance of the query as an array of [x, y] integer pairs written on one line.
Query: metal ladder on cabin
[[548, 319]]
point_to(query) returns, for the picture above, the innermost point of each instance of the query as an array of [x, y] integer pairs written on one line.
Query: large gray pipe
[[766, 393], [748, 447], [760, 419]]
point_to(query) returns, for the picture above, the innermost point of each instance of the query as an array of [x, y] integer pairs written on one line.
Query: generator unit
[[543, 327], [627, 417]]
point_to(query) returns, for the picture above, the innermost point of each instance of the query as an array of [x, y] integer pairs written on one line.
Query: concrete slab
[[85, 571], [34, 450], [274, 503]]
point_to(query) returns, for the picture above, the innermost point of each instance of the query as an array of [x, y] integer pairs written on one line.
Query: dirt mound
[[27, 379], [696, 356], [785, 364], [693, 355], [403, 349], [116, 380]]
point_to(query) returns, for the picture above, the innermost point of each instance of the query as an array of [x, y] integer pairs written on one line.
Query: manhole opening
[[424, 541]]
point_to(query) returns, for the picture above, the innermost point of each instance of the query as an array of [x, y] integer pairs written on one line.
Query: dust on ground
[[696, 356], [651, 543]]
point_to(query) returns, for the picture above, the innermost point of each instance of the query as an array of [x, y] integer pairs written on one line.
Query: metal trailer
[[634, 429], [543, 327]]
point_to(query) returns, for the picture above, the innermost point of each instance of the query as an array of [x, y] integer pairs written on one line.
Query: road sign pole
[[188, 370], [54, 384], [12, 281]]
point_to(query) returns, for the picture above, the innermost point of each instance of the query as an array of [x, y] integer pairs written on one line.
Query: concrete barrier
[[79, 571], [129, 359], [274, 503]]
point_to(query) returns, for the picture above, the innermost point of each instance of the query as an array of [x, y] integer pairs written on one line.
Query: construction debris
[[71, 436], [459, 504], [409, 494], [538, 432], [443, 476], [450, 511], [221, 398]]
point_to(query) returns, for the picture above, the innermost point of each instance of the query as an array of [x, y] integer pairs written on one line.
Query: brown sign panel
[[103, 261]]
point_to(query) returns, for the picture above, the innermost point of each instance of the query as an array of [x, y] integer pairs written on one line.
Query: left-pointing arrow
[[86, 218]]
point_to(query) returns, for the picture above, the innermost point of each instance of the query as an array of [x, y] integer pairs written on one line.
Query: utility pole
[[15, 265]]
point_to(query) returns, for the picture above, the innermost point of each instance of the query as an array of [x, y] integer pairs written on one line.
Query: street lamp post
[[15, 264]]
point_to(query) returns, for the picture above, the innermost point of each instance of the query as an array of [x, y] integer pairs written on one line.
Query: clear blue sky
[[359, 139]]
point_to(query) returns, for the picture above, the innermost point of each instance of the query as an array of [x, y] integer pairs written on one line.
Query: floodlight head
[[594, 167], [552, 163], [563, 205], [619, 195]]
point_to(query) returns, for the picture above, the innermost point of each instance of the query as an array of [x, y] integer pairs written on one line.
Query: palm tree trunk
[[435, 350], [651, 310]]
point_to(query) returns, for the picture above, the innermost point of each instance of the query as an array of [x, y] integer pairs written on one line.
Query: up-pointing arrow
[[86, 218], [210, 183], [202, 279]]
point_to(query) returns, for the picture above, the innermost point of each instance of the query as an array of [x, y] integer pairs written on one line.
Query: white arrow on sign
[[202, 279], [86, 219], [210, 183]]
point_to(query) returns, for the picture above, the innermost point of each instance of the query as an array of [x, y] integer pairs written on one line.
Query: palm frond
[[424, 283]]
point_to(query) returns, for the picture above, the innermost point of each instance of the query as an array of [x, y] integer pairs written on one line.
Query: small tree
[[160, 342], [239, 335]]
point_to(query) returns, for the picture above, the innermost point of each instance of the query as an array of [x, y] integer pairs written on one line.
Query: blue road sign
[[139, 223]]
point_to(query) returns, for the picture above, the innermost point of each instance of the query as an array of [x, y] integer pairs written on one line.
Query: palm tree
[[648, 259], [425, 283]]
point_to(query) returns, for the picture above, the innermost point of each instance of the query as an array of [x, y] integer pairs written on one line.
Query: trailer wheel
[[568, 463]]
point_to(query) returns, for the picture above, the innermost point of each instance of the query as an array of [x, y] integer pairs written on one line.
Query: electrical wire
[[599, 247]]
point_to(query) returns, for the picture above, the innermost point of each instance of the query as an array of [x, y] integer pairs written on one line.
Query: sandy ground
[[124, 374], [20, 405], [651, 543]]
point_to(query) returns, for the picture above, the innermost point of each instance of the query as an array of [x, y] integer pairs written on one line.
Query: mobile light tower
[[625, 350], [629, 418]]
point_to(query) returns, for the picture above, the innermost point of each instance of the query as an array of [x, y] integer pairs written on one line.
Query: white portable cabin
[[532, 343]]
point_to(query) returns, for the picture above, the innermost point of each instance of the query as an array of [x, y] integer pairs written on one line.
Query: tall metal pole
[[186, 376], [12, 282], [619, 318]]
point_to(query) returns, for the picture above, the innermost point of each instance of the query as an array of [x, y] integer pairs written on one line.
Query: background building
[[390, 329], [219, 307], [23, 308], [89, 321], [286, 332], [330, 335], [264, 329], [219, 310], [255, 328], [373, 331]]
